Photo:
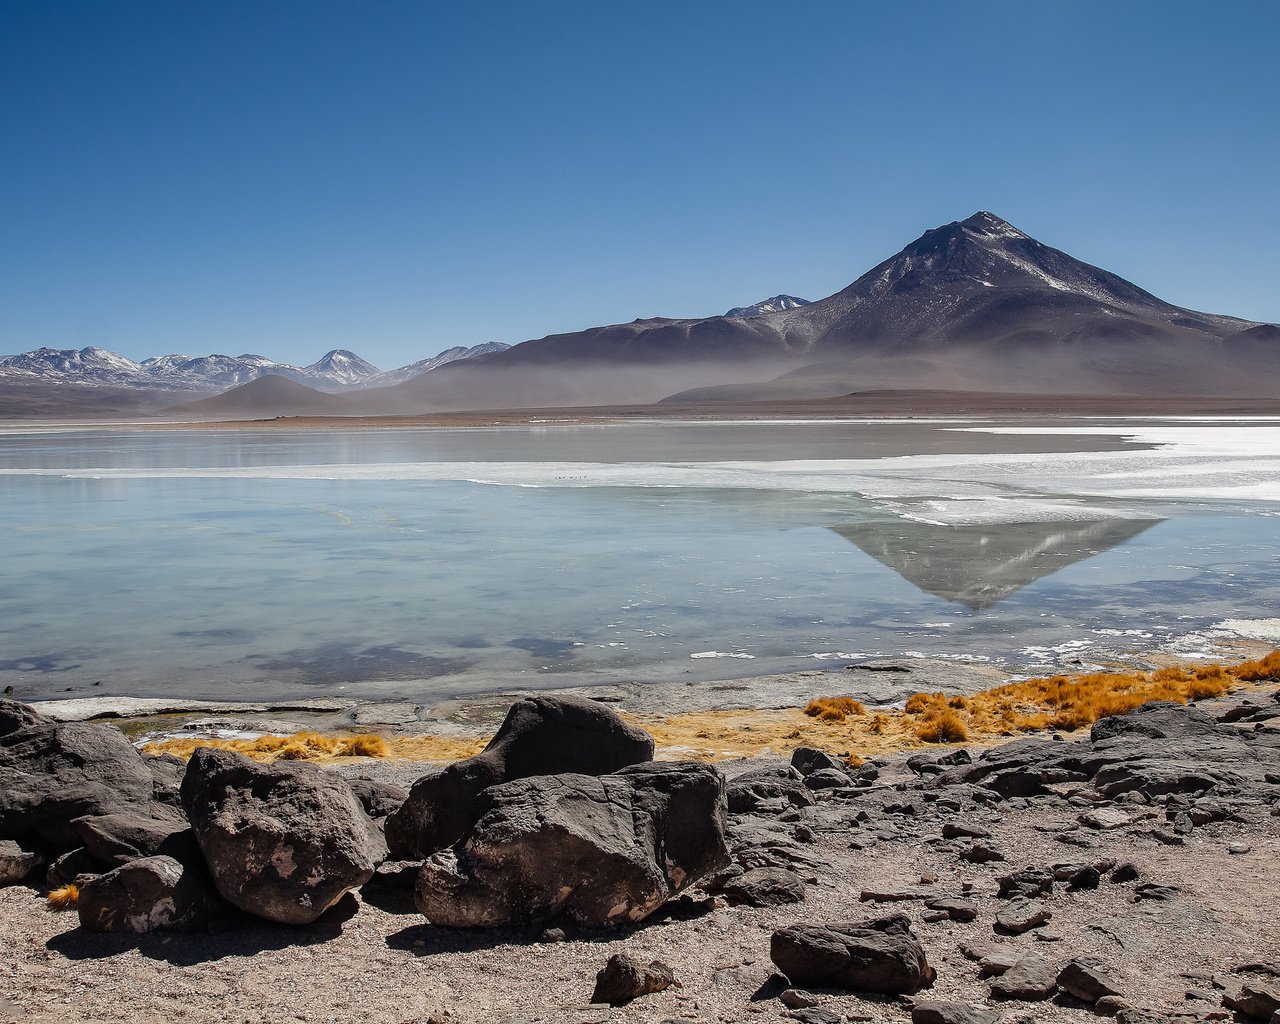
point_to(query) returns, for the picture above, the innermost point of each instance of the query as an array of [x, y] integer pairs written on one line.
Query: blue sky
[[396, 178]]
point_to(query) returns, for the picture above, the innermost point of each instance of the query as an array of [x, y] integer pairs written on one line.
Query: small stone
[[1021, 916], [798, 999], [1031, 979], [955, 909], [624, 978], [1085, 878], [1087, 981], [1154, 891], [1239, 848], [16, 864], [979, 853], [1109, 1006], [815, 1015], [1125, 873], [1044, 935], [1028, 884], [1167, 838], [960, 830], [936, 1011], [1105, 818], [553, 935], [929, 878]]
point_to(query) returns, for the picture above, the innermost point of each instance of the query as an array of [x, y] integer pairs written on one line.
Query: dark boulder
[[52, 773], [807, 760], [379, 799], [881, 955], [283, 841], [148, 895], [70, 866], [541, 735], [115, 839], [827, 778], [767, 790], [604, 850], [15, 716], [625, 978]]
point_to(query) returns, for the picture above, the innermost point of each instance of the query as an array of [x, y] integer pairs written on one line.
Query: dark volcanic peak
[[773, 305]]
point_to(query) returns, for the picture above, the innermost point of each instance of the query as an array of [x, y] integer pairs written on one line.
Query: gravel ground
[[383, 964]]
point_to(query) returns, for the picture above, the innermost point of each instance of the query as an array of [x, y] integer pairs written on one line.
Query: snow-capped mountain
[[342, 368], [337, 370], [449, 355], [86, 365], [773, 305]]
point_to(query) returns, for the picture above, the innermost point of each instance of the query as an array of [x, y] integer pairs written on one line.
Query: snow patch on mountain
[[773, 305]]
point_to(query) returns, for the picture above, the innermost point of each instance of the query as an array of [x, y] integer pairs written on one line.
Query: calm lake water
[[426, 563]]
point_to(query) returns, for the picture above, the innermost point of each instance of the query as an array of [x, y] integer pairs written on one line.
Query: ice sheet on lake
[[1236, 461]]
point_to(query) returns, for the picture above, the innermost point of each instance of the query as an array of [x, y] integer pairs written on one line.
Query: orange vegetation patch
[[314, 746], [842, 726], [64, 898]]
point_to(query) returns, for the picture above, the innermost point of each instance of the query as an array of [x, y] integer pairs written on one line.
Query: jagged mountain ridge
[[336, 370]]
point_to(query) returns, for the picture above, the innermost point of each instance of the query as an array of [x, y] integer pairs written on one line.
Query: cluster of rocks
[[566, 822], [564, 815]]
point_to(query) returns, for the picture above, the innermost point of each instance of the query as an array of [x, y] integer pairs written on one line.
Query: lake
[[431, 562]]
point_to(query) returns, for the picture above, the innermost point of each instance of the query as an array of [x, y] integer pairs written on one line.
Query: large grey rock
[[52, 773], [602, 850], [282, 841], [881, 955], [147, 895], [541, 735]]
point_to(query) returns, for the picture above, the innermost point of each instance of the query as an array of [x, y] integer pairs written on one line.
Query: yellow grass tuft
[[314, 746], [1053, 702], [64, 898], [834, 709]]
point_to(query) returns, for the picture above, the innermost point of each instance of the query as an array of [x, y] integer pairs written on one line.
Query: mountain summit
[[977, 304]]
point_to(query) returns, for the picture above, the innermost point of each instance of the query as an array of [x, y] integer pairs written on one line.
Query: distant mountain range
[[337, 370], [975, 305]]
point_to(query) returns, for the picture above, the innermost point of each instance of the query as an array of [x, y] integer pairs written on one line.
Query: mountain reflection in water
[[978, 566]]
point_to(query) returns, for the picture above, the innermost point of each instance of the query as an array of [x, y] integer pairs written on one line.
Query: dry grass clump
[[315, 746], [834, 709], [842, 723], [63, 898]]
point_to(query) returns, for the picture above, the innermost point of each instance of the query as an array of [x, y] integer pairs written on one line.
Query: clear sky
[[399, 177]]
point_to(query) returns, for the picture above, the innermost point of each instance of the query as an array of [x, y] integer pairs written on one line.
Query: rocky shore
[[564, 875]]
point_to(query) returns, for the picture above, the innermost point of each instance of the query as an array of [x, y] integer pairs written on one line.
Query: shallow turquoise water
[[219, 565]]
